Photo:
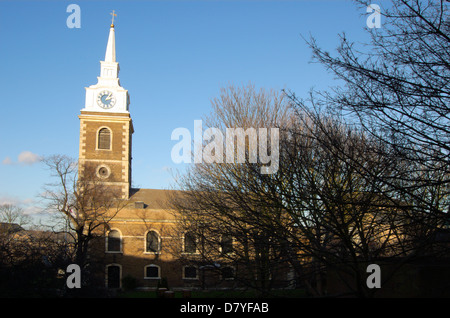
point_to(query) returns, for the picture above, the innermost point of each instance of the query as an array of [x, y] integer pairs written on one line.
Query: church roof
[[10, 227], [153, 198]]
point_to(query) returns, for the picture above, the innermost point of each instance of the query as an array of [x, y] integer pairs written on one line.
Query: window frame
[[152, 266], [158, 237], [190, 278], [229, 244], [107, 237], [195, 239], [107, 276], [97, 144]]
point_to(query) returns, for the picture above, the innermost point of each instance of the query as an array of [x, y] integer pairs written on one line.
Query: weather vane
[[113, 15]]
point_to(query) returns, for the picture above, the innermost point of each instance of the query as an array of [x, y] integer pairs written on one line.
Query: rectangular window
[[152, 272], [190, 272]]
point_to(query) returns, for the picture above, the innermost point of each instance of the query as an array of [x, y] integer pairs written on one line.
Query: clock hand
[[109, 97]]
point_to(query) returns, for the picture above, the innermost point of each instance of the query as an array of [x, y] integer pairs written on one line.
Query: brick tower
[[106, 127]]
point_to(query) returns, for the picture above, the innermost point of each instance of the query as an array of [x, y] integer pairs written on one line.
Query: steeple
[[106, 127], [110, 55], [108, 95], [109, 67]]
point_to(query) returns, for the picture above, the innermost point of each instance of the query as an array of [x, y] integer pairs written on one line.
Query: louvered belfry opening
[[104, 139]]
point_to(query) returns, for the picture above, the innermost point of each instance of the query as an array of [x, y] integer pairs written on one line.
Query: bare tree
[[341, 217], [29, 257], [12, 214], [86, 204], [395, 98], [397, 89], [319, 212], [217, 207], [11, 221]]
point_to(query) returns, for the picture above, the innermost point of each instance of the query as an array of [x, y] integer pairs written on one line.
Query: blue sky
[[174, 57]]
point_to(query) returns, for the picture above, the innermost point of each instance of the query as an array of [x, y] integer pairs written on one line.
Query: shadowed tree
[[85, 204], [216, 206], [397, 90], [320, 211]]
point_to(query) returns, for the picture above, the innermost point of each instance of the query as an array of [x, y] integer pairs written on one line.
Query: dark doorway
[[113, 276]]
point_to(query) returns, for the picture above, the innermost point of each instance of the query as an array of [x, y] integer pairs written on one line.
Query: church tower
[[106, 127]]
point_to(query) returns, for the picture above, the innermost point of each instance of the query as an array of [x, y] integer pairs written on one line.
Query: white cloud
[[24, 158], [29, 206], [7, 161], [32, 209], [5, 199], [28, 158]]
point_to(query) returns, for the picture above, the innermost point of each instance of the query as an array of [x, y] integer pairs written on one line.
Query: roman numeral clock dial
[[106, 100]]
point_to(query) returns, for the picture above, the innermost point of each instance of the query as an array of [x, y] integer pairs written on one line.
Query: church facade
[[141, 241]]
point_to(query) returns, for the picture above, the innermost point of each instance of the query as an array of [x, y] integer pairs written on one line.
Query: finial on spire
[[112, 21]]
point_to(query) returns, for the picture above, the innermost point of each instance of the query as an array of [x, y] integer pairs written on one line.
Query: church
[[133, 244], [142, 242]]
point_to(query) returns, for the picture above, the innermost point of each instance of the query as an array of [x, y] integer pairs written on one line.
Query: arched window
[[152, 242], [113, 243], [152, 271], [190, 243], [226, 244], [104, 139], [190, 272]]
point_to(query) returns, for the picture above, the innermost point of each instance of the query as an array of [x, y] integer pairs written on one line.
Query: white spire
[[109, 67], [108, 81], [110, 55]]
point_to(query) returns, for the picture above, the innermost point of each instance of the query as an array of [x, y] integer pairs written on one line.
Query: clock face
[[106, 99]]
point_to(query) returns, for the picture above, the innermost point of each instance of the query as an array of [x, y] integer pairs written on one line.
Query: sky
[[174, 58]]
